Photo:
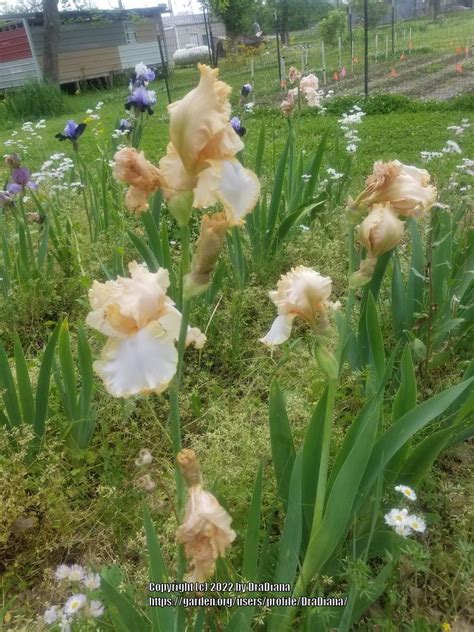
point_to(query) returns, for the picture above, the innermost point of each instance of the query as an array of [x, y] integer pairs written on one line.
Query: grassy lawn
[[86, 505]]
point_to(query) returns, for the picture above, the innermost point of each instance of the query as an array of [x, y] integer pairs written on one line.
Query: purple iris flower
[[124, 125], [238, 129], [246, 89], [141, 99], [141, 78], [20, 180], [150, 75], [71, 132]]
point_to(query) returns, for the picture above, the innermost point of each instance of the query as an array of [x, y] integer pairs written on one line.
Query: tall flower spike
[[200, 168], [302, 292], [406, 188], [205, 531], [131, 167], [142, 325], [380, 231]]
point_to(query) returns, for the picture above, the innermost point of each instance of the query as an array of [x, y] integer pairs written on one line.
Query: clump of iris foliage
[[302, 446]]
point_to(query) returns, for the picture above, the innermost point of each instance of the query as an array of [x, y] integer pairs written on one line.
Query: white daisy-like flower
[[403, 530], [62, 572], [74, 604], [76, 573], [416, 523], [92, 581], [396, 517], [406, 491], [96, 608], [51, 615]]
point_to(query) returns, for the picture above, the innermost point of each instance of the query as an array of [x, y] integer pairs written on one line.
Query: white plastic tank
[[191, 55]]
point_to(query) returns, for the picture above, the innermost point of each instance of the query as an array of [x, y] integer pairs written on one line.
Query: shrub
[[333, 26], [34, 99]]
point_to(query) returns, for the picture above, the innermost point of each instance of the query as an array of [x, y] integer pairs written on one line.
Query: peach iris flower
[[200, 164]]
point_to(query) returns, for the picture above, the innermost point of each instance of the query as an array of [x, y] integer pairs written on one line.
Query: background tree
[[376, 11], [51, 26], [237, 15], [333, 26]]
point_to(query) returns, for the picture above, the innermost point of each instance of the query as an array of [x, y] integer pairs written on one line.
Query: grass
[[88, 506]]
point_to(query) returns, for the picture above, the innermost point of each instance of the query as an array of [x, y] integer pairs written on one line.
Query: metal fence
[[404, 51]]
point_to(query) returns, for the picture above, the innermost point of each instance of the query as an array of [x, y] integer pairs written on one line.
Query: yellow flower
[[205, 531], [131, 167], [407, 188], [200, 158], [380, 231], [302, 292], [142, 325]]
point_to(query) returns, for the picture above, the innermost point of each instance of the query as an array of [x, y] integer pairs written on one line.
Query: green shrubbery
[[333, 26], [34, 99]]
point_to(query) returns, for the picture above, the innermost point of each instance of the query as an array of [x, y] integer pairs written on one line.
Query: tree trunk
[[51, 25], [284, 19], [436, 4]]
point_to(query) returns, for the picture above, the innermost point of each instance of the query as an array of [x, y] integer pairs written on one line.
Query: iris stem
[[324, 462], [174, 417]]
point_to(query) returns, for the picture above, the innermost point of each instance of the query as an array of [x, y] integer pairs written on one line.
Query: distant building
[[92, 44], [189, 30]]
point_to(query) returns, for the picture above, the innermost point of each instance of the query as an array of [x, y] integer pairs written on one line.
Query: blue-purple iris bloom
[[20, 180], [141, 99], [246, 89], [72, 131], [142, 78], [125, 125], [238, 128]]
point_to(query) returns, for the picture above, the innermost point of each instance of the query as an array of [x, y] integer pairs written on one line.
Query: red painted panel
[[14, 45]]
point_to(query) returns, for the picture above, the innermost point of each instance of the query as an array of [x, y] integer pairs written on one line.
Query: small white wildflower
[[96, 608], [403, 530], [51, 615], [416, 523], [144, 458], [74, 604], [333, 174], [62, 571], [452, 148], [304, 228], [65, 624], [306, 177], [406, 491], [76, 573], [92, 581], [396, 517]]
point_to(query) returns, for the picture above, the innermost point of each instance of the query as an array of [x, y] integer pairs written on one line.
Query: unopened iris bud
[[380, 231], [189, 465], [208, 249], [13, 161]]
